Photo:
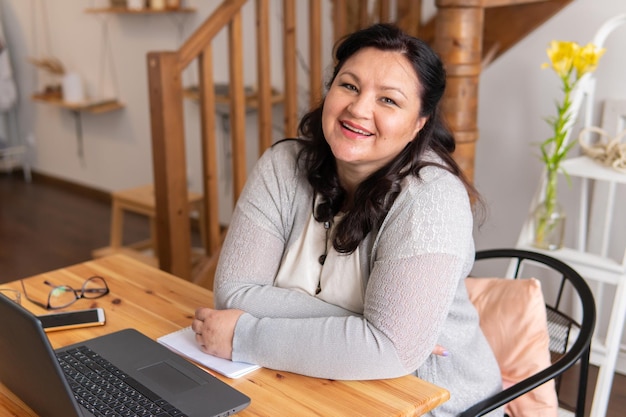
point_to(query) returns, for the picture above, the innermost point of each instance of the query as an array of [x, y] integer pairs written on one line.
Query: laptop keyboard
[[106, 391]]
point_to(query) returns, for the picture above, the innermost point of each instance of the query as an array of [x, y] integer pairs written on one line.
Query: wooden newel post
[[458, 40], [169, 163]]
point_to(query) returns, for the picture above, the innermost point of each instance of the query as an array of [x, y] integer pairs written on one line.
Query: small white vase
[[136, 4], [73, 91]]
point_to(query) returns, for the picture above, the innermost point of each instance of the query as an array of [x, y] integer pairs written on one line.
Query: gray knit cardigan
[[415, 296]]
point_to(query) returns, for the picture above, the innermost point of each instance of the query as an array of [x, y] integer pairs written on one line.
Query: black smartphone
[[72, 319]]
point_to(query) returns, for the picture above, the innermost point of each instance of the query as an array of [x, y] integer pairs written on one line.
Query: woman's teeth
[[355, 130]]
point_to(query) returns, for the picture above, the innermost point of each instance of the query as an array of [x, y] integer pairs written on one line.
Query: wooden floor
[[48, 224]]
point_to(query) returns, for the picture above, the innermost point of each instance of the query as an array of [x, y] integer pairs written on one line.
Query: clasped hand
[[215, 330]]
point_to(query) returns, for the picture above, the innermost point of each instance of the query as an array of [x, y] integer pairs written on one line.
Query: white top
[[340, 278]]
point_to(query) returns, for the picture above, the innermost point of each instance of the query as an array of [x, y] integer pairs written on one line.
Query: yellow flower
[[587, 59], [562, 55], [566, 59]]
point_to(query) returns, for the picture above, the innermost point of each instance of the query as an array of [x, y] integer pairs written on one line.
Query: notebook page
[[183, 342]]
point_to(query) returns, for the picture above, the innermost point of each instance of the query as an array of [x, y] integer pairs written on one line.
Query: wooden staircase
[[467, 34]]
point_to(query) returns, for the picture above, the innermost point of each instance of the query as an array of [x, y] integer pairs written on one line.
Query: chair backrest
[[570, 310]]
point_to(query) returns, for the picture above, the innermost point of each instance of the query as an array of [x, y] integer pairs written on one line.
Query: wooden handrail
[[205, 34], [456, 33]]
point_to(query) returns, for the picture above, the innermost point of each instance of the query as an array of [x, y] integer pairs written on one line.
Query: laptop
[[154, 379]]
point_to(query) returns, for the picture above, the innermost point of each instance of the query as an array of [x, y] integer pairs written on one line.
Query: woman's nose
[[361, 106]]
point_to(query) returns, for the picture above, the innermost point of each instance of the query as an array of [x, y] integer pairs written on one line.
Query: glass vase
[[548, 218]]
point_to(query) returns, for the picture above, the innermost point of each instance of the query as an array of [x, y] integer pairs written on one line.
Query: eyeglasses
[[61, 296]]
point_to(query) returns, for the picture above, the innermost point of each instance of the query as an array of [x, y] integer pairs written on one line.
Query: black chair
[[570, 340]]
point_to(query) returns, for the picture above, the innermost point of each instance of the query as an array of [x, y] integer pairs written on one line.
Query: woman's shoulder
[[434, 176], [435, 187], [281, 156], [279, 161], [285, 148]]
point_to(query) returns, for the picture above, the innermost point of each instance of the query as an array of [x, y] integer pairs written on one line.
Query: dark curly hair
[[375, 195]]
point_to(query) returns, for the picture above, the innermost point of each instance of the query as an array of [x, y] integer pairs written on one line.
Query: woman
[[347, 251]]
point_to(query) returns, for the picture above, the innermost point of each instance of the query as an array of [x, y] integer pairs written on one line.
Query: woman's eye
[[388, 101], [348, 86]]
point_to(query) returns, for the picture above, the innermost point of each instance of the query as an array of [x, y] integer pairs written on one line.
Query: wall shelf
[[145, 10], [94, 107]]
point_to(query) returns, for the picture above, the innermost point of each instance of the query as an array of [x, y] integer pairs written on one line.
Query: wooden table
[[155, 303]]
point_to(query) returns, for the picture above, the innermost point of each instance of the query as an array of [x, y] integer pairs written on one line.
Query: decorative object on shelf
[[607, 150], [157, 4], [56, 69], [173, 4], [135, 4], [73, 91], [50, 64], [570, 61]]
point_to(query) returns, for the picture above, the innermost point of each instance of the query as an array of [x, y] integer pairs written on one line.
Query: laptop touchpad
[[169, 377]]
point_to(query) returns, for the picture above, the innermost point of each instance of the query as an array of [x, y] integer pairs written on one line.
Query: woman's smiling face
[[371, 111]]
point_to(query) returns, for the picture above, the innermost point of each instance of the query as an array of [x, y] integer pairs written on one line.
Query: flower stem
[[547, 207]]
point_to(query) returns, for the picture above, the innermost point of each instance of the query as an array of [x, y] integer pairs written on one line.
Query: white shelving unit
[[590, 256]]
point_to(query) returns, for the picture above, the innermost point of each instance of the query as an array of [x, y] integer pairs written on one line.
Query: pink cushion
[[513, 319]]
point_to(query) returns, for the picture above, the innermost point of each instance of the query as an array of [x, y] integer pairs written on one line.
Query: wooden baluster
[[315, 52], [209, 152], [384, 15], [340, 19], [264, 93], [237, 105], [290, 62], [409, 15], [169, 163]]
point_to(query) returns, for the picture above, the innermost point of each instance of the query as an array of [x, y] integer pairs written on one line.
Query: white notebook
[[184, 343]]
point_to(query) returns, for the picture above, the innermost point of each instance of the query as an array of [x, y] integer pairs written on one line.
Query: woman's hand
[[440, 351], [215, 330]]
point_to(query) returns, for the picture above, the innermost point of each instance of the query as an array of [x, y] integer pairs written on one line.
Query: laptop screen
[[28, 365]]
